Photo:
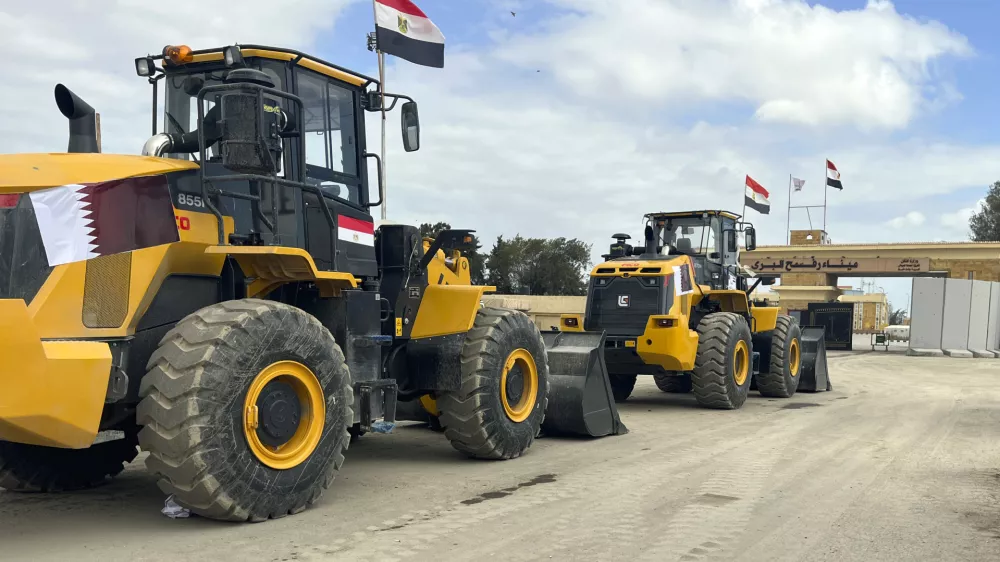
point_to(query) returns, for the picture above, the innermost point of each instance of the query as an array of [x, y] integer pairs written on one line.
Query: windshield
[[180, 113], [691, 236]]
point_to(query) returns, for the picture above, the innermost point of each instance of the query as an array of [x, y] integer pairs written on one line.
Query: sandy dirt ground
[[900, 462]]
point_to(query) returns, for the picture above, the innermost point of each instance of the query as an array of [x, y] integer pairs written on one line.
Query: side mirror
[[751, 238], [767, 280], [411, 126], [731, 246]]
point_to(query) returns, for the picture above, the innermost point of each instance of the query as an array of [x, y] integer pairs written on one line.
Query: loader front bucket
[[580, 398], [815, 376]]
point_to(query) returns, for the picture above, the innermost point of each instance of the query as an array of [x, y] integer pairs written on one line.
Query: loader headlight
[[233, 56], [665, 322], [570, 322], [144, 66]]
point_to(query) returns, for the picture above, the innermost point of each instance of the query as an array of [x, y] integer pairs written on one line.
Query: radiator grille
[[106, 291]]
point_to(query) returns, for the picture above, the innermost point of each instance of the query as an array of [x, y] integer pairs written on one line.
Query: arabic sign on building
[[806, 264]]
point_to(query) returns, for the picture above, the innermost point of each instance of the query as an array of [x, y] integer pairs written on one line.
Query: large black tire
[[782, 377], [713, 380], [31, 468], [193, 401], [675, 384], [622, 386], [473, 417]]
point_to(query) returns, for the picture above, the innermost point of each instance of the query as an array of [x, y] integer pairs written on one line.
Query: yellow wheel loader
[[678, 308], [225, 302]]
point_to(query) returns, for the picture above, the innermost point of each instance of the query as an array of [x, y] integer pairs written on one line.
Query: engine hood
[[22, 173]]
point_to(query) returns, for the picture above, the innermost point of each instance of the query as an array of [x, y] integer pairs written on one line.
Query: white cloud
[[89, 46], [582, 148], [795, 63], [909, 220], [958, 221]]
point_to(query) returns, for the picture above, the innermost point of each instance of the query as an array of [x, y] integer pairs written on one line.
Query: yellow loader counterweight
[[226, 302]]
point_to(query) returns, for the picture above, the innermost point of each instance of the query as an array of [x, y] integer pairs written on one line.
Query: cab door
[[730, 260], [333, 141]]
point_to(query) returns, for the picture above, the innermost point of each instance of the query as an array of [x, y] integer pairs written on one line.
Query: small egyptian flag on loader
[[403, 30], [833, 176], [756, 197]]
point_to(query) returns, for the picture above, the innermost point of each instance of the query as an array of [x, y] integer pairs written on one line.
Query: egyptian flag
[[356, 231], [403, 30], [83, 221], [833, 176], [756, 197]]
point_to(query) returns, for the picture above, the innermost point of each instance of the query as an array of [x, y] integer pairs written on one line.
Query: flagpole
[[743, 217], [826, 188], [788, 213], [381, 82], [381, 91]]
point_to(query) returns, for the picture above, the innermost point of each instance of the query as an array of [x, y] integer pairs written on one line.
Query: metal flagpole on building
[[826, 188], [788, 213]]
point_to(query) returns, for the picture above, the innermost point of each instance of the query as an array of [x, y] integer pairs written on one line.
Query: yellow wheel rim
[[520, 377], [741, 362], [430, 405], [794, 358], [292, 400]]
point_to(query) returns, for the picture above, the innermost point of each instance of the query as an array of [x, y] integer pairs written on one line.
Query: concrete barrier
[[955, 322], [979, 320], [993, 328], [926, 316]]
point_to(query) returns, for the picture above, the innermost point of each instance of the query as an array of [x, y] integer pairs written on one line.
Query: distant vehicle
[[897, 333]]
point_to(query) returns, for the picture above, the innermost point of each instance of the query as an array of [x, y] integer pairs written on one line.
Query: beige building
[[811, 265], [544, 311], [871, 312]]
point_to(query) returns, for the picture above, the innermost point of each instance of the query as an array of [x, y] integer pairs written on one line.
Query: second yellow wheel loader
[[226, 302], [678, 308]]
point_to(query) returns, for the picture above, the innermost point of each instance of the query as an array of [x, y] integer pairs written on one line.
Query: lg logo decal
[[622, 301]]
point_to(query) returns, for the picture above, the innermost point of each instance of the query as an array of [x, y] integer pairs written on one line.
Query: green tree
[[897, 317], [538, 266], [984, 224], [476, 259]]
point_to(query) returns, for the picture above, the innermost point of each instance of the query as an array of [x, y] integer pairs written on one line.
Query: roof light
[[178, 54], [144, 66], [233, 56]]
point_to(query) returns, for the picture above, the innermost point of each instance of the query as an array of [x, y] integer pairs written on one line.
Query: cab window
[[330, 139]]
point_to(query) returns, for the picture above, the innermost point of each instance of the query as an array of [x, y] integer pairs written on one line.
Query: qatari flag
[[403, 30], [83, 221]]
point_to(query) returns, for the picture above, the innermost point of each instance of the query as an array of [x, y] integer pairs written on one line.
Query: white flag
[[797, 184]]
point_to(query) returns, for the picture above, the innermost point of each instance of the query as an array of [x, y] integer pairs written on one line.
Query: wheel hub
[[519, 385], [279, 409], [515, 385]]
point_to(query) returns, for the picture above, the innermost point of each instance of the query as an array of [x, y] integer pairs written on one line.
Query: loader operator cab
[[709, 238], [312, 124]]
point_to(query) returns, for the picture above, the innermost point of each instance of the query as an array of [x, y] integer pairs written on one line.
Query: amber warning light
[[178, 54]]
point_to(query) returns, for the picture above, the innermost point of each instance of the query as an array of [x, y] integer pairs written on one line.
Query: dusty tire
[[782, 377], [194, 410], [475, 417], [622, 386], [674, 384], [719, 380], [31, 468]]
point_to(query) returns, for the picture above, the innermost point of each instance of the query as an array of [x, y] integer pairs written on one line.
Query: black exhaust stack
[[82, 121]]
